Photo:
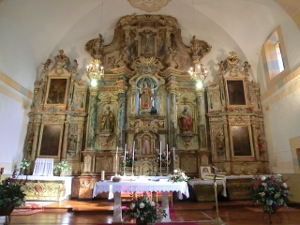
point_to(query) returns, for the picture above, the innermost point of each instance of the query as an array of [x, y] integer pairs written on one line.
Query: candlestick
[[116, 161], [173, 157], [132, 158], [167, 159], [160, 158], [125, 148]]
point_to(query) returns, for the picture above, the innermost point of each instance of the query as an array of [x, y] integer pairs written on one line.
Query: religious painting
[[51, 141], [57, 91], [204, 170], [236, 92], [241, 143], [185, 120]]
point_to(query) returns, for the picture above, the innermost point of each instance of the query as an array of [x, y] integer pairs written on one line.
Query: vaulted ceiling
[[228, 25]]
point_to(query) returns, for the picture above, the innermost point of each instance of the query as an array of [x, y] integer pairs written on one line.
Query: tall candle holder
[[132, 159]]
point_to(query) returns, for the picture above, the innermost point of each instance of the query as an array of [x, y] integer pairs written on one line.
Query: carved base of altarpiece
[[39, 188], [205, 193], [82, 186]]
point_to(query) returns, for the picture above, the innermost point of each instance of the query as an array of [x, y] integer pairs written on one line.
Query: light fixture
[[198, 74], [95, 72]]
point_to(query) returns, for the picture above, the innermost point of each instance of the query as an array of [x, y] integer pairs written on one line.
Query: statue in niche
[[108, 120], [185, 121], [171, 61], [72, 140], [260, 141], [220, 143], [146, 96], [61, 59], [146, 150]]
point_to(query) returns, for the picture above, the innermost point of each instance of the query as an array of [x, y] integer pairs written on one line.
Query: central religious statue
[[146, 96]]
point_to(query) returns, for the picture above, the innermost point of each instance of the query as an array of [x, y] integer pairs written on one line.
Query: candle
[[117, 153], [173, 154], [102, 175]]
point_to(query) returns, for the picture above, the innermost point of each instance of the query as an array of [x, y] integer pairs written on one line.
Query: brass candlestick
[[217, 220]]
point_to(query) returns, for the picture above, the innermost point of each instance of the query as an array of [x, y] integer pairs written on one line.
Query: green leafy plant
[[179, 176], [164, 158], [270, 192], [63, 166], [25, 164], [127, 162], [144, 209], [12, 192]]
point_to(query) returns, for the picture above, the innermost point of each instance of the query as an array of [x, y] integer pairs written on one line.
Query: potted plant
[[24, 165], [179, 176], [144, 210], [270, 192], [11, 195], [62, 167]]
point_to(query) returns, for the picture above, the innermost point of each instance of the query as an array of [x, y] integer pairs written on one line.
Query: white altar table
[[140, 186]]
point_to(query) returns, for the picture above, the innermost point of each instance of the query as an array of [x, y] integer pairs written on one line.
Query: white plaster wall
[[282, 122], [17, 61], [13, 120]]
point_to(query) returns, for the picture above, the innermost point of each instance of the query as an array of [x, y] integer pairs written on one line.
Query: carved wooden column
[[91, 123], [66, 132], [121, 113], [37, 126], [201, 122], [171, 87]]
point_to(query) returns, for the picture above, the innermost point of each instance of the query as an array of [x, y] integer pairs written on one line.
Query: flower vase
[[138, 221]]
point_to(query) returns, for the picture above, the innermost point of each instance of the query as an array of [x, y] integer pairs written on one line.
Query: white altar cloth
[[43, 167], [140, 186]]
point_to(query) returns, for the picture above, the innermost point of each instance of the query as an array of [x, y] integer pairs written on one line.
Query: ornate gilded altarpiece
[[146, 99]]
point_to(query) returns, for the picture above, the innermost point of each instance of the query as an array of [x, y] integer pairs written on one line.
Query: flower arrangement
[[165, 158], [270, 192], [63, 166], [25, 164], [144, 209], [12, 192], [179, 176], [127, 162]]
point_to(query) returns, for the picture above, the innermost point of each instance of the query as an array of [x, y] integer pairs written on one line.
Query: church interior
[[136, 90]]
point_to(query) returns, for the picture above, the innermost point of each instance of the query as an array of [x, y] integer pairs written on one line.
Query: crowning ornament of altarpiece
[[146, 98]]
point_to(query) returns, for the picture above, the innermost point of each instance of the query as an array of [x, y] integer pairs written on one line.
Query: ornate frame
[[50, 141], [236, 92], [202, 174], [241, 142], [57, 91]]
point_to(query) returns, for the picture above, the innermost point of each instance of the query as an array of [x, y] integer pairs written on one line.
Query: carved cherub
[[47, 64]]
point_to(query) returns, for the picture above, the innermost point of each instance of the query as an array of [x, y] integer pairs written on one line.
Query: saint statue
[[146, 145], [108, 120], [146, 96]]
